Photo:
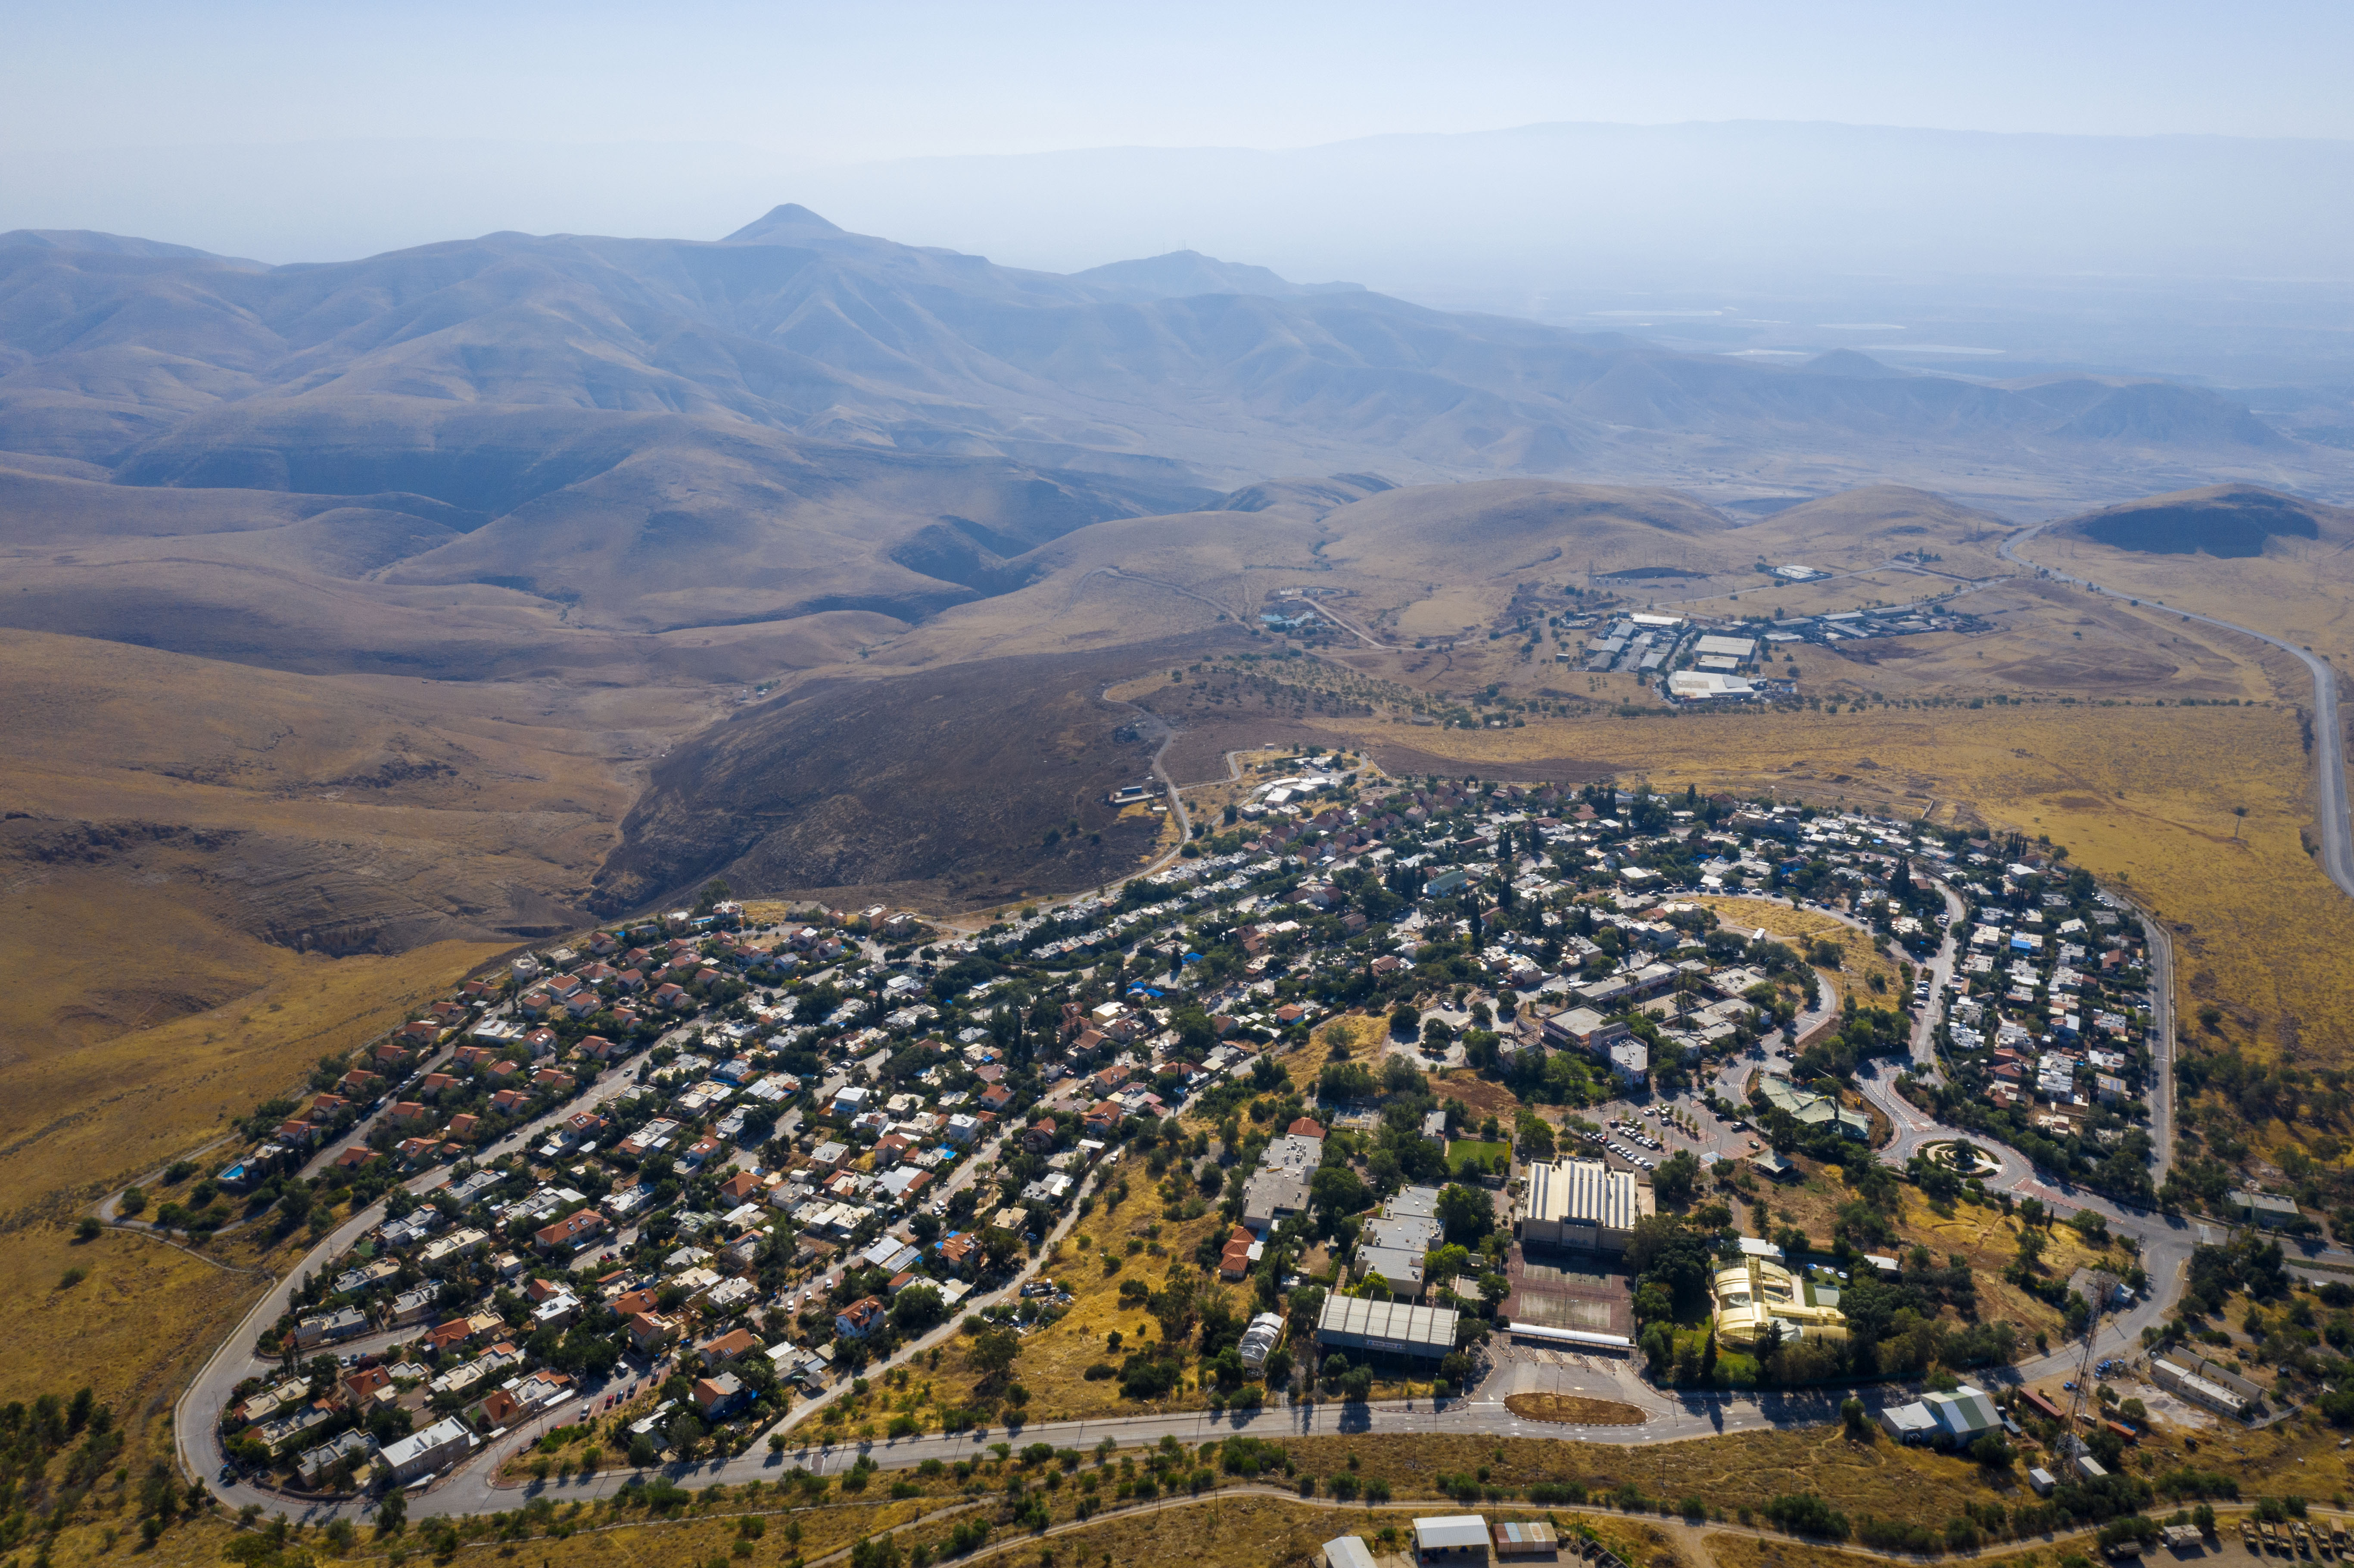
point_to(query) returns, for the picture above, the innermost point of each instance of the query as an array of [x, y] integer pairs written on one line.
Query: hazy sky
[[837, 82]]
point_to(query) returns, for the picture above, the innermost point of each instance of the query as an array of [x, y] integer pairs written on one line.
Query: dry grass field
[[1862, 960], [1054, 1358]]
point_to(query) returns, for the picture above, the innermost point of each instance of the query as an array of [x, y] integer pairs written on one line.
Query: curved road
[[2336, 841]]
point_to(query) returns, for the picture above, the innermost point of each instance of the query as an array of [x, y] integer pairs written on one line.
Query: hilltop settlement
[[716, 1163]]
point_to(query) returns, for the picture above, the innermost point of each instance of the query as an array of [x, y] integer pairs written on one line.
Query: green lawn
[[1469, 1153]]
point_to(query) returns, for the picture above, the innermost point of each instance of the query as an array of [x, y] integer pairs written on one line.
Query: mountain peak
[[790, 221], [1181, 275], [1848, 361]]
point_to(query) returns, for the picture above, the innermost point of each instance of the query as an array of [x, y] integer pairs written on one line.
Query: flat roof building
[[1393, 1328], [1581, 1203]]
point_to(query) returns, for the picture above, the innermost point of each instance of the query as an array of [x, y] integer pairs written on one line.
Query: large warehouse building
[[1391, 1327], [1581, 1203]]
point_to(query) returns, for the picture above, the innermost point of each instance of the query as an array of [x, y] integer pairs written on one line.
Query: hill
[[2229, 521]]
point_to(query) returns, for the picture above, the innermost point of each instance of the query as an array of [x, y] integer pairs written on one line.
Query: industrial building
[[1953, 1420], [2203, 1383], [1390, 1328], [1581, 1203]]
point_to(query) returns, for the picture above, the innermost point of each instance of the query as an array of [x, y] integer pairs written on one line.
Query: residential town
[[699, 1170]]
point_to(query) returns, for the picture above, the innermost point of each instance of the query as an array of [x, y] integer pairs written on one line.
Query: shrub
[[1804, 1513]]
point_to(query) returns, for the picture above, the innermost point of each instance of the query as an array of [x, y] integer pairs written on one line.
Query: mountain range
[[450, 369]]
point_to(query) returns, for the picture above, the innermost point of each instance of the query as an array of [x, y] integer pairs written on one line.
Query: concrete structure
[[1581, 1203], [2203, 1383], [1451, 1537], [1395, 1242], [1755, 1294], [2265, 1208], [1390, 1328], [1272, 1196], [1582, 1029], [422, 1453]]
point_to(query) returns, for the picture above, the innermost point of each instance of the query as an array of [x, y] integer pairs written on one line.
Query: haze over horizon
[[270, 131]]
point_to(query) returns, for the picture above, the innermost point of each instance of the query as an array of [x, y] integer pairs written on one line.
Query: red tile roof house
[[499, 1408], [718, 1395], [649, 1330], [997, 1096], [740, 1188], [859, 1318], [673, 998], [461, 1128], [456, 1331], [571, 1234], [730, 1345], [634, 1302], [360, 1085]]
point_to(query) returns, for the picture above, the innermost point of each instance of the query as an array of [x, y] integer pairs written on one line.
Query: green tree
[[1465, 1211], [1676, 1179], [991, 1353]]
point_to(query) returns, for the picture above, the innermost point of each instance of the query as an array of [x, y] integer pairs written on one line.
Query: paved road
[[2336, 841]]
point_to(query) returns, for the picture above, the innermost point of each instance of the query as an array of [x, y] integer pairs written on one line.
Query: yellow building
[[1756, 1291]]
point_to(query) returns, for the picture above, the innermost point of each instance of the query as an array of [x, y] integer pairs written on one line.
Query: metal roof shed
[[1356, 1323], [1452, 1536], [1347, 1552]]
